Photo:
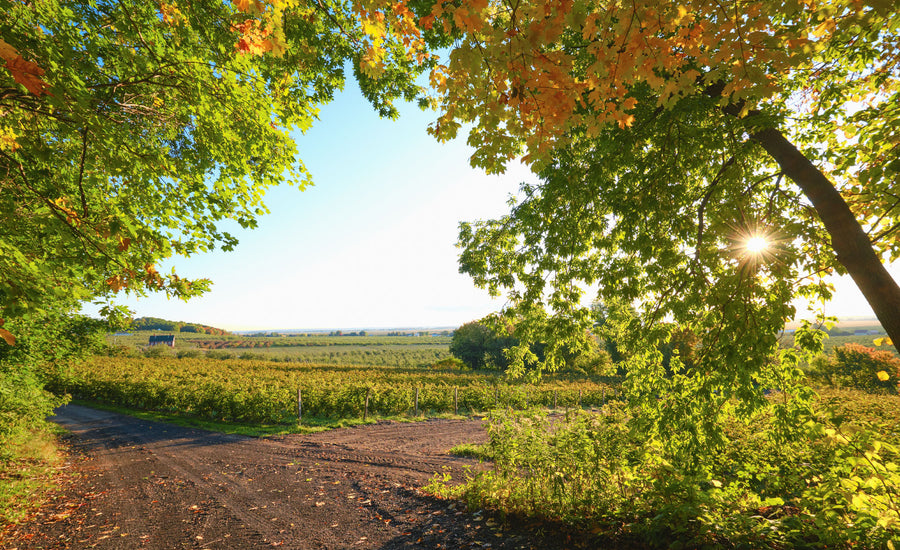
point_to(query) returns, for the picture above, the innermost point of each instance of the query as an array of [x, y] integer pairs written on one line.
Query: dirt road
[[141, 484]]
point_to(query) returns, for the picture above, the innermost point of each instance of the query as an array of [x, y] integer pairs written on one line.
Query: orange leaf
[[116, 283], [7, 337], [27, 74]]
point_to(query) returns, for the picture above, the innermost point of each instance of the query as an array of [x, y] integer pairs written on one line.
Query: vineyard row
[[267, 394]]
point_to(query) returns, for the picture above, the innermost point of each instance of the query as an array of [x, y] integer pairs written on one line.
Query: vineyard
[[266, 392], [394, 351]]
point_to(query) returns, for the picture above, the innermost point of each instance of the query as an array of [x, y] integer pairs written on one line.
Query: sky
[[372, 243]]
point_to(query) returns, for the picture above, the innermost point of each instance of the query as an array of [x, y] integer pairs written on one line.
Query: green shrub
[[833, 486], [157, 351], [188, 354], [217, 354]]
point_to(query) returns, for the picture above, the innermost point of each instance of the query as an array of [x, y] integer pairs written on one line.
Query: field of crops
[[395, 351], [266, 392]]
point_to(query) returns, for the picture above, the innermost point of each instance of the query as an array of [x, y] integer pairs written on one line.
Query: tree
[[704, 162], [790, 105], [479, 346], [130, 130], [50, 340]]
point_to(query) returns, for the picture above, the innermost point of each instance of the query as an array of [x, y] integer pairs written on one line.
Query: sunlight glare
[[757, 244]]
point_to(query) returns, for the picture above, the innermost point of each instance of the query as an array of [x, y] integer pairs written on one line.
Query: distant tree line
[[154, 323]]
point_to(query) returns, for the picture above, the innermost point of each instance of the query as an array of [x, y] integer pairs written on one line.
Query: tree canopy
[[706, 162], [668, 136], [480, 346], [131, 130]]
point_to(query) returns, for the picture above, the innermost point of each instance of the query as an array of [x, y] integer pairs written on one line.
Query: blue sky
[[372, 243]]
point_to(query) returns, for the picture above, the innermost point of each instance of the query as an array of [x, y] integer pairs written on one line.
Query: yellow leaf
[[883, 342], [8, 140], [243, 5], [883, 376], [7, 52], [171, 14]]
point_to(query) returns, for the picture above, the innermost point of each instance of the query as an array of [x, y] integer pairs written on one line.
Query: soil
[[150, 485]]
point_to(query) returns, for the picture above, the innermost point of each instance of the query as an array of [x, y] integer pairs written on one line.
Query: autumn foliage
[[526, 73], [857, 366]]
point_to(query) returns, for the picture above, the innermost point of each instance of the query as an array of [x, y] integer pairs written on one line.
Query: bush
[[216, 354], [157, 351], [118, 351], [598, 363], [188, 354], [449, 363], [857, 366]]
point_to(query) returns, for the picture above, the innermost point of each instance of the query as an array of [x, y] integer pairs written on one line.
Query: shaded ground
[[141, 484]]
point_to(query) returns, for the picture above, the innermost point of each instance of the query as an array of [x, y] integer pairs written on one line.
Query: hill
[[153, 323]]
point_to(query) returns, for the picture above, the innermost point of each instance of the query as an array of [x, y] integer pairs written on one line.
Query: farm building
[[163, 339]]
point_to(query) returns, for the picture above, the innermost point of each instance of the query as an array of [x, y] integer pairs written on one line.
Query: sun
[[756, 244]]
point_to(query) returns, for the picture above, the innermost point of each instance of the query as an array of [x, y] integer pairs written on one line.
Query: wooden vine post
[[455, 400], [366, 410], [416, 410], [299, 406]]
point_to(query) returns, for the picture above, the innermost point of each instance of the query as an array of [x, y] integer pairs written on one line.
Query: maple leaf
[[254, 39], [7, 52], [24, 72], [116, 283], [171, 14], [7, 337]]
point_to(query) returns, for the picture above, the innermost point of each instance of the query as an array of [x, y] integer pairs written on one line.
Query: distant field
[[383, 350], [863, 332], [398, 351]]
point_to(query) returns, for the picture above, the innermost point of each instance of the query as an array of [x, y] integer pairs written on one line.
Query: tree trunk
[[849, 241]]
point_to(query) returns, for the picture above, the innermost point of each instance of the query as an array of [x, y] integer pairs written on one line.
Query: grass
[[29, 473], [472, 450], [310, 424]]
